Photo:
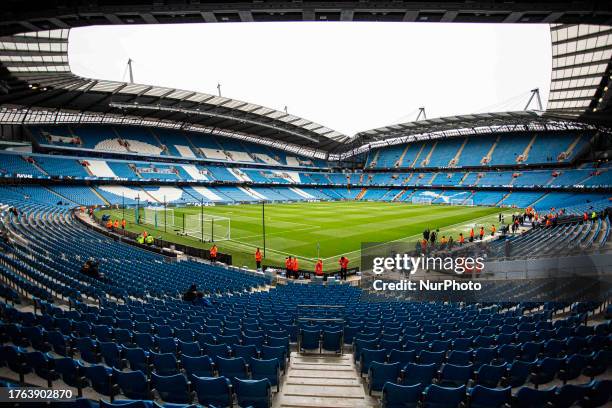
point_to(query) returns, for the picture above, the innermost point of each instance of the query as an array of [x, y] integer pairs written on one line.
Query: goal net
[[158, 217], [462, 201], [208, 227], [421, 200]]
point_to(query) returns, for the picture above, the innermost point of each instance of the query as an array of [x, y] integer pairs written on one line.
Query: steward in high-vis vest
[[258, 258], [140, 239], [149, 240]]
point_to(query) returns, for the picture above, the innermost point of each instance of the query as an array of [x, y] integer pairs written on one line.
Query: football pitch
[[319, 229]]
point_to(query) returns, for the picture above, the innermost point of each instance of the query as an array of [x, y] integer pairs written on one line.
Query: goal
[[208, 227], [462, 201], [159, 217], [421, 200]]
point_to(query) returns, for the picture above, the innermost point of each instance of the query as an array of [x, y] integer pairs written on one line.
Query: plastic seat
[[137, 358], [268, 369], [568, 395], [213, 391], [309, 340], [71, 372], [402, 357], [483, 397], [546, 370], [401, 396], [247, 351], [132, 384], [530, 398], [380, 373], [419, 374], [599, 394], [164, 364], [172, 388], [201, 366], [431, 357], [459, 357], [215, 351], [59, 342], [253, 393], [100, 378], [165, 344], [572, 367], [369, 356], [232, 368], [280, 353], [489, 375], [111, 354], [483, 355], [436, 396], [87, 349], [332, 341], [144, 341], [41, 364], [455, 375], [191, 349]]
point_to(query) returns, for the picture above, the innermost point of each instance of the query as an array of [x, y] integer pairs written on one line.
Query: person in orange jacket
[[213, 253], [109, 224], [461, 239], [123, 223], [481, 233], [295, 267], [319, 268], [493, 229], [258, 258], [288, 264], [472, 235], [343, 267], [116, 224]]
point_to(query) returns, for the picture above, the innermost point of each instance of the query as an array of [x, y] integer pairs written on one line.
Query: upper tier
[[167, 143], [20, 165], [509, 149]]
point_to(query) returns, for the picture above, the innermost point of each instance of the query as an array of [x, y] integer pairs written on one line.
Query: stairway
[[96, 192], [503, 198], [399, 161], [63, 198], [37, 166], [361, 194], [195, 150], [375, 159], [425, 161], [322, 381], [159, 142], [487, 158], [399, 195], [570, 149], [455, 160], [153, 199], [522, 158], [416, 158], [465, 175]]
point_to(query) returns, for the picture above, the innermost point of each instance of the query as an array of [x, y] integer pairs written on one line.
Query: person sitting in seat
[[191, 293]]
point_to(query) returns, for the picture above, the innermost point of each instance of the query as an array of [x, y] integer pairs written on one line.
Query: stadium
[[166, 247]]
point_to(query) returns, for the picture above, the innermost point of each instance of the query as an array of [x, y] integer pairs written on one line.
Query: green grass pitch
[[338, 228]]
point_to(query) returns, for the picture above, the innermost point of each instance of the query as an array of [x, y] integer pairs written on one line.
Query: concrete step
[[322, 381]]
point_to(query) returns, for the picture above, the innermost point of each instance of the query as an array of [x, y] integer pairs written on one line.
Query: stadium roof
[[36, 85]]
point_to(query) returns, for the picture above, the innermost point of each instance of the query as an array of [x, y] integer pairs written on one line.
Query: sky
[[349, 76]]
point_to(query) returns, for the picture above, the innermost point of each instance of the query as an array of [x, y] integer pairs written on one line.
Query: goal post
[[159, 217], [462, 201], [422, 200], [208, 227]]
